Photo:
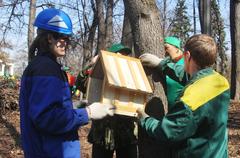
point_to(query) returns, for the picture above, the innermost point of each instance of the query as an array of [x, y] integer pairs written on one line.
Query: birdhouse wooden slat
[[118, 80]]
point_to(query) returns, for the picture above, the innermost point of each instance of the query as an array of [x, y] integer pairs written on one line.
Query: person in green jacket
[[174, 54], [173, 49], [111, 134], [196, 126]]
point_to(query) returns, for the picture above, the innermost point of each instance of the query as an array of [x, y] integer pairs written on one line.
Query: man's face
[[58, 45], [170, 50]]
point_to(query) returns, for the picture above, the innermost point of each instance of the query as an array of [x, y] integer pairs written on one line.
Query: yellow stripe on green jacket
[[197, 125]]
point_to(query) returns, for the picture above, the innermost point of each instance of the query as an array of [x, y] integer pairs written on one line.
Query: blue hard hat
[[54, 20]]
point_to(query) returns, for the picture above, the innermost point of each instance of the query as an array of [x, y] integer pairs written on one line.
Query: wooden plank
[[132, 102], [116, 98], [108, 73], [145, 79], [107, 65], [120, 73], [137, 84], [94, 90], [119, 55], [126, 110], [127, 75]]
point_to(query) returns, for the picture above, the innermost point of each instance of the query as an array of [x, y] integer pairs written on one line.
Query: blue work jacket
[[49, 124]]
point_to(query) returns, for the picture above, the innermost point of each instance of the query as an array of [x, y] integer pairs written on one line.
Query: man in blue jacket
[[49, 124]]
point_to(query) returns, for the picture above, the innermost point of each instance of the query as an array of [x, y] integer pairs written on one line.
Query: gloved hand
[[142, 114], [150, 60], [98, 110]]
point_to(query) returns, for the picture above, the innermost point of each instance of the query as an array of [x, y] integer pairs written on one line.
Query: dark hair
[[40, 43], [203, 50]]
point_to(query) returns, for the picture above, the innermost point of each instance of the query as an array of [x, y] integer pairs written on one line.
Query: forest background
[[141, 25]]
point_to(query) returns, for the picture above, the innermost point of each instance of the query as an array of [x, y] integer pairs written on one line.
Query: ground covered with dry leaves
[[10, 146]]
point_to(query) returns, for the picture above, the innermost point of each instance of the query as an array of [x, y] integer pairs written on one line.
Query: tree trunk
[[109, 23], [194, 17], [235, 36], [164, 17], [204, 14], [101, 44], [32, 14], [88, 46], [145, 22], [127, 38]]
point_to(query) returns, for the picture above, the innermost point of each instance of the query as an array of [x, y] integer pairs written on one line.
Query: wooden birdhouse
[[119, 80]]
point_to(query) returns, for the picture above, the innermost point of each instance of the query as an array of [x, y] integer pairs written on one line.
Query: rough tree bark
[[32, 14], [109, 23], [105, 25], [101, 43], [127, 37], [145, 23], [235, 36], [164, 17]]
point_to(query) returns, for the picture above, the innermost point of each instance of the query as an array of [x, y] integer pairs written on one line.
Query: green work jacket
[[173, 87], [197, 124]]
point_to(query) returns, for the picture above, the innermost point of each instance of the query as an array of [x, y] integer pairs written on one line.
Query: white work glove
[[150, 60], [142, 114], [98, 110]]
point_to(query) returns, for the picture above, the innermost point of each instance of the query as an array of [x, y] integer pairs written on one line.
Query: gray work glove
[[142, 114], [150, 60], [98, 110]]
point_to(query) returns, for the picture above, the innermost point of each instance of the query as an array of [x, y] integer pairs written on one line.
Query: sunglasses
[[58, 36]]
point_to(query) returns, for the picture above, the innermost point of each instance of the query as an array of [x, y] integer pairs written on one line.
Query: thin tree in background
[[89, 31], [109, 23], [217, 31], [164, 17], [194, 17], [127, 37], [204, 15], [101, 44], [181, 26], [32, 14], [105, 24], [166, 13], [12, 18], [235, 57]]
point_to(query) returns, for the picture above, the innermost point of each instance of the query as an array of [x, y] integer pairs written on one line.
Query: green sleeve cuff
[[143, 121], [164, 63]]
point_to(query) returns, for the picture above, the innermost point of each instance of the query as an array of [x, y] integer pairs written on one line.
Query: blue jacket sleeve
[[50, 109]]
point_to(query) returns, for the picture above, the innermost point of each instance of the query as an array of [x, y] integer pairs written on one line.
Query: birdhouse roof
[[124, 72]]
